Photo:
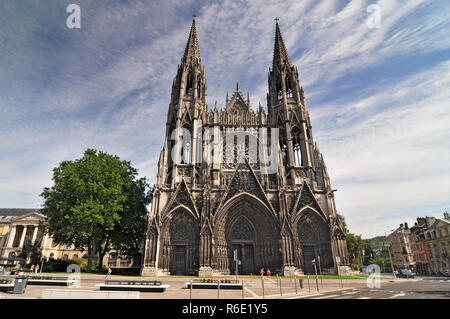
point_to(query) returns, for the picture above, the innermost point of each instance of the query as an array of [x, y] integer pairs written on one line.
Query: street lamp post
[[320, 272], [315, 270], [236, 260], [42, 265], [389, 252]]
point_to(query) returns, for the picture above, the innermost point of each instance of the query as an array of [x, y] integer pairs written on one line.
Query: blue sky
[[378, 97]]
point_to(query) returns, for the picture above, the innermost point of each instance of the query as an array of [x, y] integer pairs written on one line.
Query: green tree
[[384, 263], [31, 251], [129, 235], [359, 250], [92, 201]]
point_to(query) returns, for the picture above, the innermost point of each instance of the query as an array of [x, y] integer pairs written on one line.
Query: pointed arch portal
[[247, 226], [314, 238], [179, 253]]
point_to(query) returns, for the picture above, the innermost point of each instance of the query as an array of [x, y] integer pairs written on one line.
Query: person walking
[[36, 269], [108, 274], [262, 272], [32, 268], [268, 272]]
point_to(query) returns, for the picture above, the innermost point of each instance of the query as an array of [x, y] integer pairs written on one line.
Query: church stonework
[[204, 211]]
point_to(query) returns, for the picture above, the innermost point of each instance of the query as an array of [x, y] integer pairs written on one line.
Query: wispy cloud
[[386, 162]]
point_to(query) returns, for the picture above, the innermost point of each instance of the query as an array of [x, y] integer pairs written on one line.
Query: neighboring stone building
[[437, 243], [425, 246], [384, 251], [203, 211], [401, 247], [418, 246], [20, 228]]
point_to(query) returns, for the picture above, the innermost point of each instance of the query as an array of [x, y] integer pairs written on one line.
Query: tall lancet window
[[186, 154], [296, 139], [190, 85], [279, 91], [298, 155], [199, 88], [289, 92], [235, 150]]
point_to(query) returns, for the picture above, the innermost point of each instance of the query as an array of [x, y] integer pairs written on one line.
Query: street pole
[[236, 260], [281, 291], [309, 286], [295, 282], [262, 284], [42, 265], [320, 272], [317, 279], [218, 289], [389, 252], [361, 258], [190, 291], [339, 272]]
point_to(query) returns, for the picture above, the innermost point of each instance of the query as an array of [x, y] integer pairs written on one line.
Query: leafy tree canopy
[[94, 202], [359, 249]]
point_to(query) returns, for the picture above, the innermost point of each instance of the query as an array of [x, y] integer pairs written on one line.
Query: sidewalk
[[252, 287]]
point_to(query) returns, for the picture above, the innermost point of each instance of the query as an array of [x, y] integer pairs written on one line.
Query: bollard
[[309, 286], [317, 284], [281, 290], [218, 289], [317, 280], [243, 297], [262, 283], [190, 291], [340, 277], [295, 283], [301, 283]]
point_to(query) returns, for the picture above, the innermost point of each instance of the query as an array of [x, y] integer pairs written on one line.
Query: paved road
[[421, 288]]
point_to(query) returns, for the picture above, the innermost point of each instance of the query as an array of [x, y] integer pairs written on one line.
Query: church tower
[[206, 212], [187, 108]]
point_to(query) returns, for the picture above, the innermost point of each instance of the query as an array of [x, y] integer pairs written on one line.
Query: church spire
[[192, 52], [280, 54]]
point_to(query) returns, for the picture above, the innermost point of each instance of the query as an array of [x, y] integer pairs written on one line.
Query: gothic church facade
[[204, 213]]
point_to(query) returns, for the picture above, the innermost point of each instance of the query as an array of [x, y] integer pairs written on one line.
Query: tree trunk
[[89, 264], [102, 253], [100, 260]]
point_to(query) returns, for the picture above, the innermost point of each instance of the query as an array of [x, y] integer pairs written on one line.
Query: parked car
[[444, 273], [405, 273]]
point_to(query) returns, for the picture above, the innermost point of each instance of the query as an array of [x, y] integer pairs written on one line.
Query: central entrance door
[[246, 256], [179, 265], [308, 256], [250, 228]]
